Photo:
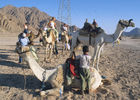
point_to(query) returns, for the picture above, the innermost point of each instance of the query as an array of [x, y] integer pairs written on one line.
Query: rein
[[125, 25]]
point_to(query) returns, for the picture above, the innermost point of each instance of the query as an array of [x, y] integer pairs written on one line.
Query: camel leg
[[50, 52], [63, 46], [75, 44], [45, 58], [95, 54], [54, 91], [46, 51], [98, 56]]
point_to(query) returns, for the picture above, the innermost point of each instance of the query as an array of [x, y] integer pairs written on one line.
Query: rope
[[24, 78], [43, 81]]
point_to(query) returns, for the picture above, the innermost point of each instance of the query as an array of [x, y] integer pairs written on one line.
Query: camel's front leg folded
[[54, 91]]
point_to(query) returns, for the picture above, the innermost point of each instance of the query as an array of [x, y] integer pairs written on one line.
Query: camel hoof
[[106, 82], [47, 61]]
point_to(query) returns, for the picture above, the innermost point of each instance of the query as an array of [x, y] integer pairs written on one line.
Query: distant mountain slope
[[9, 24], [22, 15], [14, 18], [133, 33]]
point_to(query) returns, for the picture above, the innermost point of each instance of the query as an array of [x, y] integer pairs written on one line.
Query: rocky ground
[[119, 64]]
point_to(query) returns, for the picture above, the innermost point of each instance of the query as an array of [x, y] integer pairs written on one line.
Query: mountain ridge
[[133, 33], [17, 17]]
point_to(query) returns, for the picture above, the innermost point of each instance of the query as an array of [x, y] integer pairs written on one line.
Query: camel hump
[[100, 30], [59, 75]]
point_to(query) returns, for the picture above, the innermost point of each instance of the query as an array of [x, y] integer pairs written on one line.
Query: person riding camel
[[96, 29], [84, 70], [52, 25], [64, 33], [64, 29], [24, 41], [95, 25], [23, 45]]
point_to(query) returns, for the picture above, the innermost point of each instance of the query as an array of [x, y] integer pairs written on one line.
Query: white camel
[[98, 41], [48, 41], [56, 76]]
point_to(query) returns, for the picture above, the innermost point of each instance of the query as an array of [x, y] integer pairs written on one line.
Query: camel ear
[[130, 20]]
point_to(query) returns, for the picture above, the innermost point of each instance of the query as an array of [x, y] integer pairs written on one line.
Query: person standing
[[95, 25], [84, 70]]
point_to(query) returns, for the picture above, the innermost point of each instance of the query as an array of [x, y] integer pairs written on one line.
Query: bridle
[[125, 25]]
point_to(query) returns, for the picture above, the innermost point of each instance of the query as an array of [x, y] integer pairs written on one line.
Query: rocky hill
[[12, 18], [133, 33], [8, 24]]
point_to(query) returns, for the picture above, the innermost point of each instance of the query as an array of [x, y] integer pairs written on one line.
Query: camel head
[[40, 30], [127, 23]]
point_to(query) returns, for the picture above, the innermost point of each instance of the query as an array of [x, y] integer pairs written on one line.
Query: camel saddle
[[93, 33]]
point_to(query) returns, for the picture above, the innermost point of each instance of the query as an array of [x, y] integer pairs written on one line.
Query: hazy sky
[[106, 12]]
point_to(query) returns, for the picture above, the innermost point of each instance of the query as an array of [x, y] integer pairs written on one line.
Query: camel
[[98, 41], [48, 41], [65, 40], [56, 76]]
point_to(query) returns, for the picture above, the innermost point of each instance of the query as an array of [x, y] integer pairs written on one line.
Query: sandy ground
[[119, 64]]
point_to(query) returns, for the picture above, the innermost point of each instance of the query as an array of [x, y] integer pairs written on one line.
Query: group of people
[[52, 25], [83, 69], [93, 28]]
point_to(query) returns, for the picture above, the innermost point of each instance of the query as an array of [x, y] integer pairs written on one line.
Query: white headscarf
[[24, 35]]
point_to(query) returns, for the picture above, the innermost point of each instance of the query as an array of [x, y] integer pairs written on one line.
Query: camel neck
[[37, 70], [112, 38], [118, 32]]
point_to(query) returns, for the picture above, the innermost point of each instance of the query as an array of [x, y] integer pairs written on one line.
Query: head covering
[[85, 49], [29, 31], [95, 23], [24, 35], [53, 18]]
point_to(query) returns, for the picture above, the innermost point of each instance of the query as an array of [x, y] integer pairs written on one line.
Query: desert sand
[[119, 64]]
